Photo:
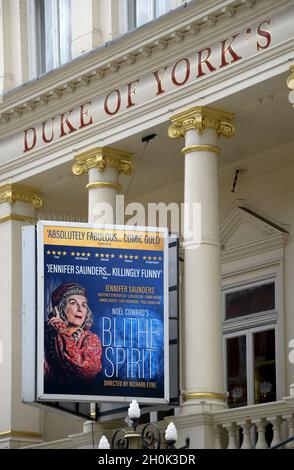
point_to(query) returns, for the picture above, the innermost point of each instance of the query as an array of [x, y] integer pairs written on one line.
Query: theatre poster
[[119, 275]]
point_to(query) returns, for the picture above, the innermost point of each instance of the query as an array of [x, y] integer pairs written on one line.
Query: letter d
[[33, 139]]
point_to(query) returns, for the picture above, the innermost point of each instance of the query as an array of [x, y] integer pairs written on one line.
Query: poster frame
[[41, 396]]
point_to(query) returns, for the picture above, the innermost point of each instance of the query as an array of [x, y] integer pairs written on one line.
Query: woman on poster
[[72, 352]]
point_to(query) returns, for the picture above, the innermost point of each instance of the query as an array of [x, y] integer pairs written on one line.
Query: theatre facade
[[185, 120]]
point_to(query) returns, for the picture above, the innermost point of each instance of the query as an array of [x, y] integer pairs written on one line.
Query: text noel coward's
[[183, 71]]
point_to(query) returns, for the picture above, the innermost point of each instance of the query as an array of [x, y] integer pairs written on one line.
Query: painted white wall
[[60, 425]]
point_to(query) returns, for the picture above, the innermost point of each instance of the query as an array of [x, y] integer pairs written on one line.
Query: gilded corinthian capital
[[101, 158], [201, 118], [16, 192]]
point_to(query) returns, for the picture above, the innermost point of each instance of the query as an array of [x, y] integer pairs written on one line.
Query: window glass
[[250, 300], [65, 30], [53, 33], [255, 371], [47, 31], [264, 366], [161, 7], [142, 11], [250, 347], [236, 371]]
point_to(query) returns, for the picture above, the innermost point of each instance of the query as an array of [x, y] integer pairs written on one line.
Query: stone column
[[103, 166], [203, 380], [19, 423]]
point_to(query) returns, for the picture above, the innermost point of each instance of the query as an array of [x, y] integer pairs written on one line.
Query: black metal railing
[[283, 443]]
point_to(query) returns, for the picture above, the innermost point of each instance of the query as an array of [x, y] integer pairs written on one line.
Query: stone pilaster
[[19, 424]]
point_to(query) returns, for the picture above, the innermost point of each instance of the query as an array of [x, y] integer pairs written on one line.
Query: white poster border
[[41, 396]]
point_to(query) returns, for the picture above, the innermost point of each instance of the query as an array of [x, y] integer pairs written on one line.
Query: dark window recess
[[237, 371], [264, 366], [144, 418], [250, 300], [161, 414], [83, 410]]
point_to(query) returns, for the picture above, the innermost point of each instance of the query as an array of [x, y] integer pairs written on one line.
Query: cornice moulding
[[82, 69], [253, 249], [255, 68], [271, 237], [265, 319], [158, 110], [239, 214], [253, 265], [210, 85]]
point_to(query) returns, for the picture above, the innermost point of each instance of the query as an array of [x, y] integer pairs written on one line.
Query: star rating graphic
[[103, 256], [56, 253]]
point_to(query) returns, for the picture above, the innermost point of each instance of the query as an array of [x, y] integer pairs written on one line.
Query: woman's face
[[76, 310]]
